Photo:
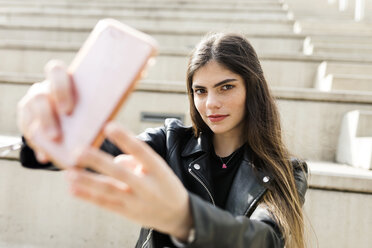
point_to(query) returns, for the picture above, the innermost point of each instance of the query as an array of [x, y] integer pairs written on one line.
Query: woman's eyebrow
[[224, 81], [217, 84]]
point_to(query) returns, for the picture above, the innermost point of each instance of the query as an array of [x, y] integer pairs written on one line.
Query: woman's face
[[219, 97]]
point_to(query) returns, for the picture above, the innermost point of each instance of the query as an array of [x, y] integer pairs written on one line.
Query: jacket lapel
[[196, 145], [246, 189], [248, 186]]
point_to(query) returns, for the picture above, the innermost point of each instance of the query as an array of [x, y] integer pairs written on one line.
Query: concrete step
[[263, 43], [61, 31], [199, 6], [158, 23], [319, 39], [333, 27], [348, 68], [328, 175], [232, 2], [139, 13], [267, 41], [356, 56], [32, 201], [345, 189], [356, 51], [343, 76], [325, 10], [351, 49], [352, 82], [355, 140], [181, 2], [311, 119]]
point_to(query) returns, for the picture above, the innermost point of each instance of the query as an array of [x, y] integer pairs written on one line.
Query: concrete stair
[[328, 36], [349, 69], [254, 13], [341, 195], [32, 32], [172, 5], [334, 27], [359, 48], [327, 9], [167, 38], [285, 68], [355, 140], [349, 77], [354, 82], [138, 23]]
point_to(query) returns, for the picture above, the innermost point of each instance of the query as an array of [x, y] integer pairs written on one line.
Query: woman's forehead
[[213, 73]]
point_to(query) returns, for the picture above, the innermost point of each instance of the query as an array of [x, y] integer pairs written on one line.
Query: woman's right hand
[[37, 110]]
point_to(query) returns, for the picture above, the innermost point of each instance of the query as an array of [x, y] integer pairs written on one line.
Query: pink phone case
[[104, 73]]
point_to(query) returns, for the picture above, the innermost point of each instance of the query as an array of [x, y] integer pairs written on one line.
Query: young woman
[[227, 181]]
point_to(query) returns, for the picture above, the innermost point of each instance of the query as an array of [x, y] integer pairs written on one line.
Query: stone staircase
[[318, 72]]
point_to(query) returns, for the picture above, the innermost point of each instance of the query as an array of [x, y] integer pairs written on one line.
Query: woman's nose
[[213, 101]]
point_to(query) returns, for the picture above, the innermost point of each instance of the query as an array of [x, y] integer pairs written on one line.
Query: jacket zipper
[[203, 184], [147, 238]]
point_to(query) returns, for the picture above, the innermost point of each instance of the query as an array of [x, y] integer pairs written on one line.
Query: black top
[[222, 178]]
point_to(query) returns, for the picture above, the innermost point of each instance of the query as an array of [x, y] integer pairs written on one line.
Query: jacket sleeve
[[300, 172], [28, 159], [215, 227], [154, 137]]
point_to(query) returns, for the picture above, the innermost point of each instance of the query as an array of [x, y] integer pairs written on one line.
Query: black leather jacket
[[244, 222]]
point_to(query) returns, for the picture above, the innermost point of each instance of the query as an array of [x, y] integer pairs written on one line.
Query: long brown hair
[[262, 131]]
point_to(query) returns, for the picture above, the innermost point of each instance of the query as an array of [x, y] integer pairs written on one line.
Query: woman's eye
[[227, 87], [199, 91]]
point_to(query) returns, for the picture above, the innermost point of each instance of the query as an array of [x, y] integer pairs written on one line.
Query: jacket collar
[[248, 187], [196, 145]]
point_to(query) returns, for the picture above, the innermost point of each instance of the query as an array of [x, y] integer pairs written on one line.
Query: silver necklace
[[224, 165]]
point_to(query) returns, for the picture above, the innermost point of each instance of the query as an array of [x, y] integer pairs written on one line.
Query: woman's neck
[[225, 144]]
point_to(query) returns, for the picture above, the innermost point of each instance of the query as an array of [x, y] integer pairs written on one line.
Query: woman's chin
[[217, 129]]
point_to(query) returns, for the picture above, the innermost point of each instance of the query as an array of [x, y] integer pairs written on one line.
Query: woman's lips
[[216, 118]]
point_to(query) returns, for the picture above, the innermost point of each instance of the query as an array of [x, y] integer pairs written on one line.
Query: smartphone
[[104, 72]]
